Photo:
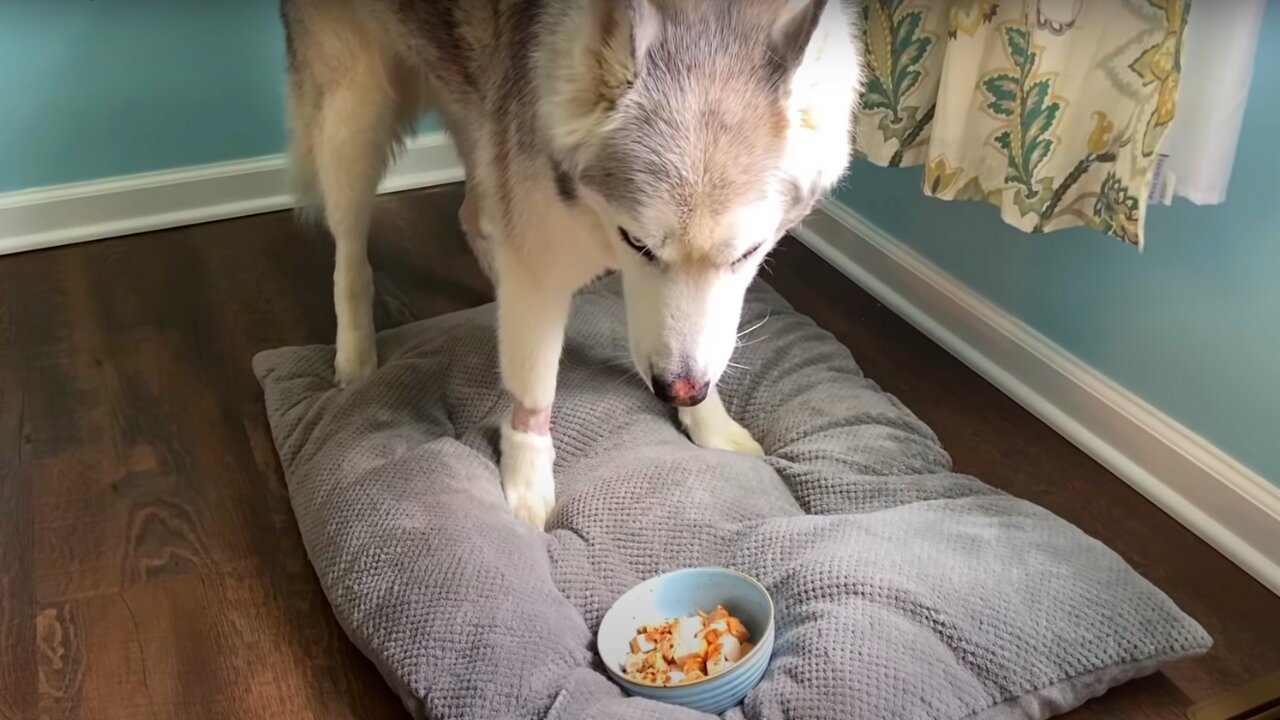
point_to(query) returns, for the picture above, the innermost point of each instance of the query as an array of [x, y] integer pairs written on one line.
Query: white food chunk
[[730, 651], [642, 644], [687, 642]]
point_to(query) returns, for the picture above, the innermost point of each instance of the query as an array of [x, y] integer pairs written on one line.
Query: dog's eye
[[747, 255], [638, 246]]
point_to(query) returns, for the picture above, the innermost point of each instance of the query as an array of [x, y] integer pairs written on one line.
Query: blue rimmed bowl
[[682, 592]]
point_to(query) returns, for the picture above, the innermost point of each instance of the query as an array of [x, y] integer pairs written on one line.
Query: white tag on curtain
[[1162, 181]]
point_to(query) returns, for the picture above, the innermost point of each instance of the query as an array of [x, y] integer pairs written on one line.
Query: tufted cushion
[[903, 590]]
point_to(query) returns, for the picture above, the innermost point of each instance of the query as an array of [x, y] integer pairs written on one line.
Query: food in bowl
[[683, 649], [679, 593]]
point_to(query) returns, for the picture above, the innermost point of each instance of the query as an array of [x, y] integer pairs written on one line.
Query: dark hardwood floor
[[149, 563]]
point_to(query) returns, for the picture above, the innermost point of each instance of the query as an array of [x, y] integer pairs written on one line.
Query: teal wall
[[1192, 324], [94, 89]]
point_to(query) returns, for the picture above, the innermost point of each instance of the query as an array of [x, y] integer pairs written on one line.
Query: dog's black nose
[[680, 391]]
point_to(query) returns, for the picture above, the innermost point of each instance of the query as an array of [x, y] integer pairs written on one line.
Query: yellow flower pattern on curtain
[[1052, 110]]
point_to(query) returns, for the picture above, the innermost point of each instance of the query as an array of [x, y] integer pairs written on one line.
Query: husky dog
[[672, 140]]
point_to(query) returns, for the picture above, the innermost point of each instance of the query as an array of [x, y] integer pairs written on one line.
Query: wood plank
[[225, 645], [17, 586], [1259, 700]]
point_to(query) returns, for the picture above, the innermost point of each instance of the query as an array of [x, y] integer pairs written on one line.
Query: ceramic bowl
[[682, 592]]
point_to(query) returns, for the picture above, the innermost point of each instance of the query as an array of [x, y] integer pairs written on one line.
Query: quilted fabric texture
[[903, 590]]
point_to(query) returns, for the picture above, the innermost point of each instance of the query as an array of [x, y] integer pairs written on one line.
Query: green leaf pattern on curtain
[[1052, 110], [896, 51]]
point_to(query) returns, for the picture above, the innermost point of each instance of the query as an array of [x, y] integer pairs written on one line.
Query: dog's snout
[[681, 391]]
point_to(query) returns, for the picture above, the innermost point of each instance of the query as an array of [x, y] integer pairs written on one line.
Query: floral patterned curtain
[[1053, 110]]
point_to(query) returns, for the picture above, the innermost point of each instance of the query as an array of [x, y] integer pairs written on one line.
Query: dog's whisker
[[757, 326], [631, 374], [744, 343], [617, 362]]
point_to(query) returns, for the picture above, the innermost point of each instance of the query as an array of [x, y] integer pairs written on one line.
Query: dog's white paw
[[712, 428], [725, 436], [356, 359], [528, 480]]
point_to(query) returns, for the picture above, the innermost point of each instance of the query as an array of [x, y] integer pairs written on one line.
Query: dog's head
[[701, 131]]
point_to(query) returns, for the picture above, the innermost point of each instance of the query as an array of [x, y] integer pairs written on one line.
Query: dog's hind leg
[[356, 136], [351, 101]]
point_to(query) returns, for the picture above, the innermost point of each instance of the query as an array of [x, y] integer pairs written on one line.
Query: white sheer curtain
[[1217, 66]]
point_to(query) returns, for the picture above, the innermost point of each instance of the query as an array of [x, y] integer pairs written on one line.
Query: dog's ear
[[626, 30], [644, 25], [606, 50], [792, 34]]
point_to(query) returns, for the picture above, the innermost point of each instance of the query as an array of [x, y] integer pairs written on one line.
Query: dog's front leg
[[710, 426], [532, 315]]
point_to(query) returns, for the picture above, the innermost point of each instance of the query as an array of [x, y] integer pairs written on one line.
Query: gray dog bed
[[903, 589]]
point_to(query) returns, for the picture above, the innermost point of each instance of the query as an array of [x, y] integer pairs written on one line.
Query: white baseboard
[[1228, 505], [45, 217]]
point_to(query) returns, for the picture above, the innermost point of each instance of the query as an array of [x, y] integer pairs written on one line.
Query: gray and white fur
[[672, 140]]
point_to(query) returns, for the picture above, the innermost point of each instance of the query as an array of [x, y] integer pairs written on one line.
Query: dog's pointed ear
[[627, 30], [644, 25], [608, 45], [793, 32]]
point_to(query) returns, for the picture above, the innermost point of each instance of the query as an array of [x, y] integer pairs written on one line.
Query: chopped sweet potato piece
[[667, 649]]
